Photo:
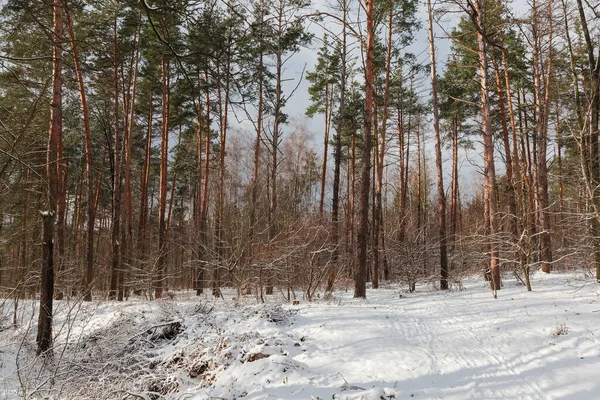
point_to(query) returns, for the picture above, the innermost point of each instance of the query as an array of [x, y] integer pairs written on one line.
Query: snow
[[393, 345]]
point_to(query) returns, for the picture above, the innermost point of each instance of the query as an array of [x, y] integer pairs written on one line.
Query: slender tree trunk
[[354, 265], [89, 270], [127, 233], [116, 199], [572, 63], [325, 149], [2, 255], [593, 176], [337, 157], [257, 146], [76, 219], [404, 198], [199, 192], [363, 226], [44, 331], [403, 144], [273, 215], [203, 243], [347, 249], [542, 97], [512, 203], [61, 199], [173, 184], [401, 165], [24, 252], [223, 114], [378, 217], [438, 160], [162, 198], [488, 143], [420, 167], [559, 157], [517, 179], [529, 207], [454, 201], [145, 178], [374, 204]]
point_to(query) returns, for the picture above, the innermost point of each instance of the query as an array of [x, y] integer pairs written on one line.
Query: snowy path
[[452, 346], [410, 347]]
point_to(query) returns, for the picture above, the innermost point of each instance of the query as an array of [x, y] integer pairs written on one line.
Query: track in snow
[[457, 345]]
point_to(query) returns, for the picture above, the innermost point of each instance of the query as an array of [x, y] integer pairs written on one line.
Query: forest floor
[[394, 345]]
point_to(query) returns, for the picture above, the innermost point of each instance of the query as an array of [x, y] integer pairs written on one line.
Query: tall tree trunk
[[363, 226], [403, 149], [354, 265], [420, 168], [337, 159], [518, 180], [173, 184], [257, 146], [145, 178], [559, 157], [454, 201], [374, 210], [199, 192], [489, 190], [203, 243], [129, 111], [404, 197], [512, 202], [572, 62], [89, 270], [273, 215], [2, 255], [593, 176], [44, 331], [438, 159], [116, 198], [328, 102], [162, 197], [223, 114], [542, 101], [378, 217], [529, 202], [61, 193]]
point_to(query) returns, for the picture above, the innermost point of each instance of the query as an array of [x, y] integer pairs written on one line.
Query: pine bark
[[328, 102], [159, 283], [365, 184], [337, 160], [273, 214], [144, 181], [379, 227], [592, 176], [454, 199], [116, 195], [257, 148], [129, 112], [223, 115], [44, 331], [542, 102], [89, 270], [203, 242], [489, 172], [438, 159], [199, 192]]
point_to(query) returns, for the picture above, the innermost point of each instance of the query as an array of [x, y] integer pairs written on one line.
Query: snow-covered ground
[[425, 345]]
